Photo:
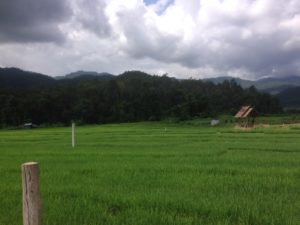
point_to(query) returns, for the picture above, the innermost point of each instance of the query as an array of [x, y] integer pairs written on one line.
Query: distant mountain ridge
[[17, 78], [12, 78], [272, 85], [242, 82], [287, 88], [88, 74]]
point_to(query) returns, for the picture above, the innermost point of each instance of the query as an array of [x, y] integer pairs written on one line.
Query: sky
[[183, 38]]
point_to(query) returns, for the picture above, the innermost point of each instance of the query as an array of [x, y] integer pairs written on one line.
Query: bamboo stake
[[73, 135]]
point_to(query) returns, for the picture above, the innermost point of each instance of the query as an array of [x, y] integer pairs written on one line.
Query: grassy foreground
[[156, 173]]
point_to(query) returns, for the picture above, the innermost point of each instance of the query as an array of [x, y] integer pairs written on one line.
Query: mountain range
[[85, 74], [272, 85], [286, 88]]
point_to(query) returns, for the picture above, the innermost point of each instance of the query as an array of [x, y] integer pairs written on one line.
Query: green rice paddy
[[156, 173]]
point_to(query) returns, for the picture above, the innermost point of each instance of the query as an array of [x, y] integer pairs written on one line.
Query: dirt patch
[[291, 125], [243, 128]]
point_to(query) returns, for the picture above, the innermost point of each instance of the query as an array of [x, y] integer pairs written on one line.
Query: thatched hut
[[246, 116]]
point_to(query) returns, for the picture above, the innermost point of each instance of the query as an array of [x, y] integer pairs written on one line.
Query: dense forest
[[131, 96], [290, 98]]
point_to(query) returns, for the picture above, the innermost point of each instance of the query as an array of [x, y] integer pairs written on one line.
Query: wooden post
[[31, 194], [73, 134]]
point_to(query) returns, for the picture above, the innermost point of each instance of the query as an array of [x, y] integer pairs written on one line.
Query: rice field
[[156, 173]]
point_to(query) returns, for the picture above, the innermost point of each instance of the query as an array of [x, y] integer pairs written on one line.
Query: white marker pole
[[73, 134]]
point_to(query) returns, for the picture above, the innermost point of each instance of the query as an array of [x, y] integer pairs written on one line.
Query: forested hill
[[14, 78], [131, 96]]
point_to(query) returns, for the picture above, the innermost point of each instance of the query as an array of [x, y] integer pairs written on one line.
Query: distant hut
[[246, 116]]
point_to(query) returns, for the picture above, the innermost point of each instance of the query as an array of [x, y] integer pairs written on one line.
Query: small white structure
[[29, 125], [214, 122]]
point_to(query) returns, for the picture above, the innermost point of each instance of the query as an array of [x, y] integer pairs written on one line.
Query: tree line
[[129, 97]]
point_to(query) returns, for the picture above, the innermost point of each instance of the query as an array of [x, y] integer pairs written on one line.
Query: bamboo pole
[[31, 195], [73, 134]]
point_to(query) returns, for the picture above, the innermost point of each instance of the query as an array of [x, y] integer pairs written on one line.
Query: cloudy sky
[[184, 38]]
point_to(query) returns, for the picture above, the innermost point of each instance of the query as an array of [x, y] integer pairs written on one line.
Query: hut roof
[[244, 112]]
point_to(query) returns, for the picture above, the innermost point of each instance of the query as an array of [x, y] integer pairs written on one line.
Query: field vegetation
[[157, 173]]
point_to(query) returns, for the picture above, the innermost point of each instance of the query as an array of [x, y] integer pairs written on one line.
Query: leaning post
[[31, 194]]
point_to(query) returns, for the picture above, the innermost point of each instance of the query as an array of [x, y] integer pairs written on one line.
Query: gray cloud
[[32, 21], [145, 40], [244, 38], [91, 16]]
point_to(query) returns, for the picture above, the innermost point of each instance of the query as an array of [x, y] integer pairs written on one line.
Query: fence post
[[31, 194]]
